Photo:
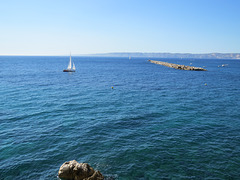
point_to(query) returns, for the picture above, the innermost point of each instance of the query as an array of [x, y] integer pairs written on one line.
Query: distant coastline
[[172, 55], [147, 55]]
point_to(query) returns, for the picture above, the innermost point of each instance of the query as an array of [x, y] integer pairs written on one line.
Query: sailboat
[[70, 68]]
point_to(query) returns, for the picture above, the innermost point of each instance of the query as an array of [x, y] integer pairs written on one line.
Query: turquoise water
[[156, 122]]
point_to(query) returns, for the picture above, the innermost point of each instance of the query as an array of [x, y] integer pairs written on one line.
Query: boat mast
[[70, 62]]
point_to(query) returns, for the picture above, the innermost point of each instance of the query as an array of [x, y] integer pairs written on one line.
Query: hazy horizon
[[126, 54]]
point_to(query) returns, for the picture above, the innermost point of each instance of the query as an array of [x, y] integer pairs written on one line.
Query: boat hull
[[68, 70]]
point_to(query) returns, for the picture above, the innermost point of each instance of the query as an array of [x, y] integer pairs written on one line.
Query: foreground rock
[[177, 66], [72, 170]]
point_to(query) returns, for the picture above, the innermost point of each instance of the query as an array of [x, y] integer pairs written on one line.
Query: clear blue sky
[[56, 27]]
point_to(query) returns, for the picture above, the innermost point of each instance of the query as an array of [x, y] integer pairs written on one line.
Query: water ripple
[[156, 123]]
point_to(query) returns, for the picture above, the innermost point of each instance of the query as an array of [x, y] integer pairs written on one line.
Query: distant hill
[[174, 55]]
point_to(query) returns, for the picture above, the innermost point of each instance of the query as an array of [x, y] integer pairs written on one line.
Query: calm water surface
[[156, 122]]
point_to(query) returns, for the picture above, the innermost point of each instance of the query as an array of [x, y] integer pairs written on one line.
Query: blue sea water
[[156, 122]]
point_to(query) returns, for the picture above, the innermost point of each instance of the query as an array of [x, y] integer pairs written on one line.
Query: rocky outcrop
[[177, 66], [72, 170]]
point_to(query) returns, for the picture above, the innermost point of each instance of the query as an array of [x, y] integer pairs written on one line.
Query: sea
[[129, 119]]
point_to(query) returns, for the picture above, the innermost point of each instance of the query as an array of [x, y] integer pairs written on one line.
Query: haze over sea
[[156, 122]]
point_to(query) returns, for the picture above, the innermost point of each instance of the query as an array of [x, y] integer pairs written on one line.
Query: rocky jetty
[[72, 170], [177, 66]]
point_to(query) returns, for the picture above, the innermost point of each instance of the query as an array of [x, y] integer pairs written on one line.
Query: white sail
[[74, 68], [70, 63]]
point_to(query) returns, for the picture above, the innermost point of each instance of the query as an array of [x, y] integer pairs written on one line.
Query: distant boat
[[223, 65], [129, 57], [70, 68]]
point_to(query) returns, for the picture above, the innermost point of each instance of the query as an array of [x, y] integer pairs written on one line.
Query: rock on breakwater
[[177, 66], [72, 170]]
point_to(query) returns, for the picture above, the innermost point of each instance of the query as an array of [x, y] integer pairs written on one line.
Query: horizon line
[[94, 54]]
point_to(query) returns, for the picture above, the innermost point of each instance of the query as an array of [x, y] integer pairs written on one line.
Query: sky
[[58, 27]]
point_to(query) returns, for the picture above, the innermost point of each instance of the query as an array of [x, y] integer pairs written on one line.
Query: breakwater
[[177, 66]]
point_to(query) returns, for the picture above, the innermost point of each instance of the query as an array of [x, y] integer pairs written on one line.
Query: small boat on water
[[70, 68], [224, 65]]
